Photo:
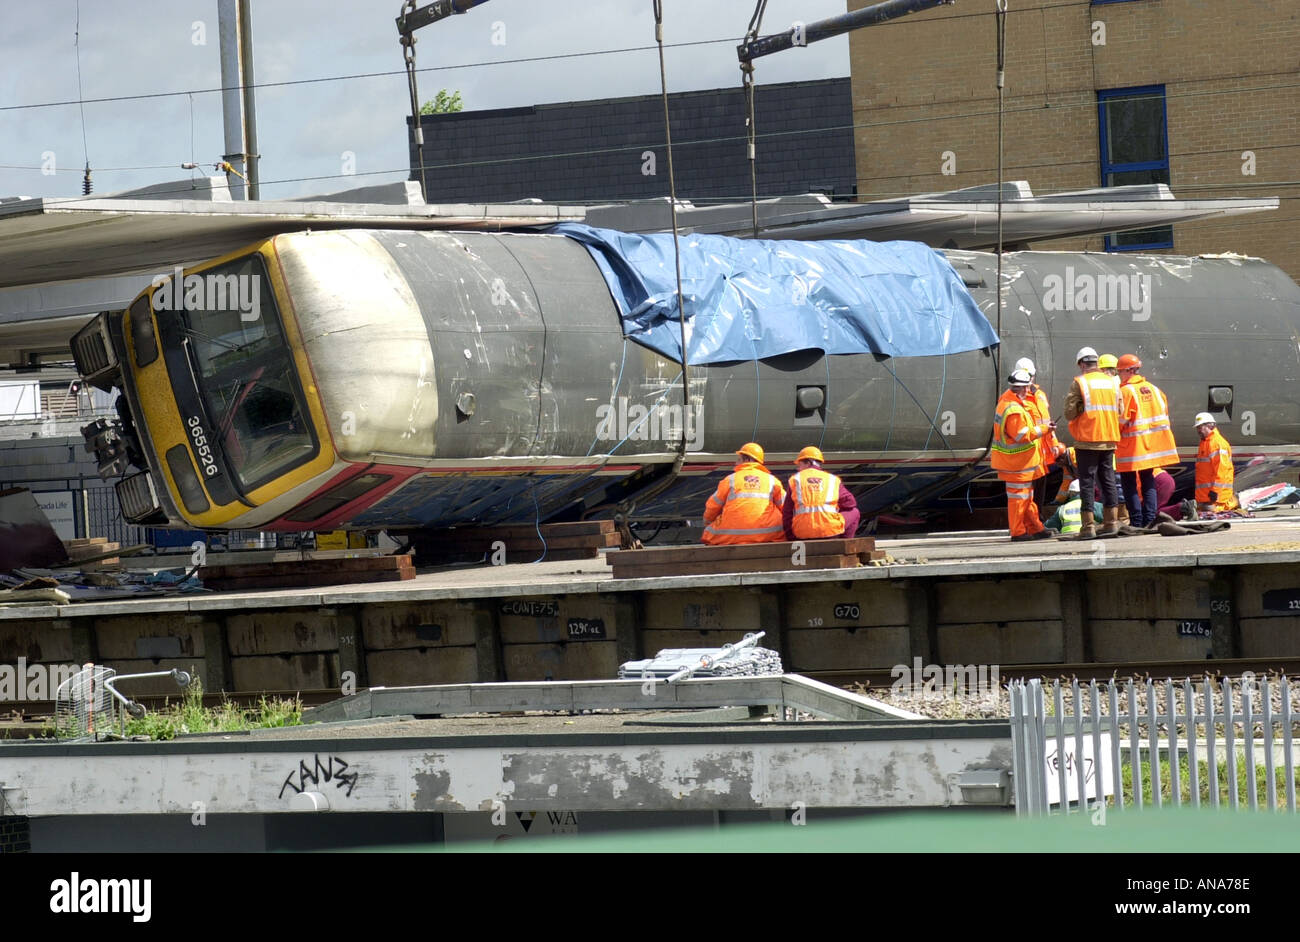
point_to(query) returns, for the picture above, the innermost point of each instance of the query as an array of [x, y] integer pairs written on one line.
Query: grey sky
[[142, 47]]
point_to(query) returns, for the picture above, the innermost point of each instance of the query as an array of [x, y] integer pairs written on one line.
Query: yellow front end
[[167, 427]]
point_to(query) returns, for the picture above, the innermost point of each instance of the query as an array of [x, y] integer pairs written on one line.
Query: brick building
[[599, 151], [1200, 94]]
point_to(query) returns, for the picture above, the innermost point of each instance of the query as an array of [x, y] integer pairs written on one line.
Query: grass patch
[[1203, 783], [191, 716]]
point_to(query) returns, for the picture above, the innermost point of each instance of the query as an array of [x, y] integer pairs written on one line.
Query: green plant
[[443, 103], [1203, 783], [191, 716]]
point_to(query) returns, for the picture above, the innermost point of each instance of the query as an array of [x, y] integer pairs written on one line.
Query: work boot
[[1087, 529], [1045, 534], [1123, 519], [1109, 522]]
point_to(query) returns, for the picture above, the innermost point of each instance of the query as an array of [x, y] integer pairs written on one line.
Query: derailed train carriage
[[392, 379]]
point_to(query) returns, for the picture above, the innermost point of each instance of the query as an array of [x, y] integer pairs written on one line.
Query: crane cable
[[623, 515], [747, 83], [408, 53], [672, 198], [966, 472], [1000, 20], [86, 185]]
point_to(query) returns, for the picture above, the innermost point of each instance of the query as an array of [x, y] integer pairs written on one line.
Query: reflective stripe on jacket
[[816, 496], [1041, 412], [1146, 439], [1099, 420], [746, 507], [1015, 453], [1071, 514]]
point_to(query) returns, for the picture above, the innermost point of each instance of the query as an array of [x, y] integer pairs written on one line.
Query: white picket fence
[[1093, 742]]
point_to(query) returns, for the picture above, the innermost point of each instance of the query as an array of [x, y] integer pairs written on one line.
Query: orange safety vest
[[1015, 449], [816, 496], [746, 508], [1214, 472], [1041, 412], [1146, 440], [1099, 420]]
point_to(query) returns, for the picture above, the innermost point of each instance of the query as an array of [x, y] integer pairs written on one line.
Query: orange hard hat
[[1129, 362], [811, 454], [751, 450]]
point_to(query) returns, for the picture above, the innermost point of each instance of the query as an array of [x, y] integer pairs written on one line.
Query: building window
[[1135, 149]]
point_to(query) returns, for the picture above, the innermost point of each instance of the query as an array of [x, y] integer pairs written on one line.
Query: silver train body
[[488, 377]]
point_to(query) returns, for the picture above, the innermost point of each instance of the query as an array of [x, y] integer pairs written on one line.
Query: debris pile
[[743, 659]]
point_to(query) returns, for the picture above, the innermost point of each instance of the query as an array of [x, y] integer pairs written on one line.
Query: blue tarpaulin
[[752, 299]]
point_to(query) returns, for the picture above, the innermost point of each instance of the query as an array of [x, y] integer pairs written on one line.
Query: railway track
[[1158, 670], [22, 718]]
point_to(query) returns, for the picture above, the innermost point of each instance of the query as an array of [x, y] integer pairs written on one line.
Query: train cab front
[[213, 420]]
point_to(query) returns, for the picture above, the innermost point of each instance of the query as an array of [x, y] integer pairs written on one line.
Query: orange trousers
[[1022, 512]]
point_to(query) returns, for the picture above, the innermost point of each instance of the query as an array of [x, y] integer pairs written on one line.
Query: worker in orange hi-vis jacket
[[1016, 457], [746, 507], [818, 505], [1092, 409], [1049, 447], [1214, 475], [1146, 441]]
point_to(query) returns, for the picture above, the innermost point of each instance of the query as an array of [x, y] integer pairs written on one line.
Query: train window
[[336, 497], [1134, 149], [246, 373], [142, 333]]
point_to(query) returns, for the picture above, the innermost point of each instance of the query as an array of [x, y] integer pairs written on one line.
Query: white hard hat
[[1087, 353], [1074, 486], [1019, 378], [1202, 418], [1026, 364]]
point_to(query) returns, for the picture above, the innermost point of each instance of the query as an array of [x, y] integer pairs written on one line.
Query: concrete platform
[[948, 599], [641, 758]]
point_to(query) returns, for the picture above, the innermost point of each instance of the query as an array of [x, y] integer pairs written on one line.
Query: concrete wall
[[853, 625]]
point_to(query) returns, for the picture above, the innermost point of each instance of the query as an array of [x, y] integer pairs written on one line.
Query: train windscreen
[[245, 372]]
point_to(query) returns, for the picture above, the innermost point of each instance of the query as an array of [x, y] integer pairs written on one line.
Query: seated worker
[[1069, 474], [1069, 516], [819, 506], [746, 508], [1214, 476]]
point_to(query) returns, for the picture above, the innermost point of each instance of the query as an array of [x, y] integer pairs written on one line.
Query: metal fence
[[104, 518], [1127, 745]]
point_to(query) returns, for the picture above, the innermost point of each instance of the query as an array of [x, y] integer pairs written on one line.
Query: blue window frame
[[1134, 139]]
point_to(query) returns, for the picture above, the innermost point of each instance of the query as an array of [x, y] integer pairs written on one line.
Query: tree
[[443, 103]]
